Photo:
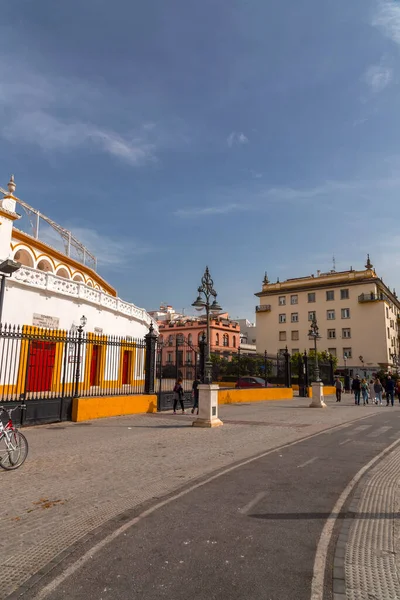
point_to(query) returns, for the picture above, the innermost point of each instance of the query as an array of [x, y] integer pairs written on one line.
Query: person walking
[[378, 387], [195, 389], [364, 391], [339, 389], [372, 392], [398, 389], [356, 388], [178, 389], [389, 388]]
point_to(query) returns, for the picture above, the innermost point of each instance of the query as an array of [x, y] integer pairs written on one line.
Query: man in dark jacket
[[356, 388], [389, 388]]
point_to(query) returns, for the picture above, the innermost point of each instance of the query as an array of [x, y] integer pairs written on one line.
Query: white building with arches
[[53, 289]]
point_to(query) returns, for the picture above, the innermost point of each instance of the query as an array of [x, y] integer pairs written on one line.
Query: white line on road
[[88, 556], [345, 442], [361, 428], [378, 432], [317, 584], [308, 462], [252, 503]]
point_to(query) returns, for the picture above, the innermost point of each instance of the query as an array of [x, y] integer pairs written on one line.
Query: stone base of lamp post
[[317, 395], [208, 406]]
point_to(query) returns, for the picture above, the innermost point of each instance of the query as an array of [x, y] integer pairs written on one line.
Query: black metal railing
[[263, 308], [44, 363], [372, 297]]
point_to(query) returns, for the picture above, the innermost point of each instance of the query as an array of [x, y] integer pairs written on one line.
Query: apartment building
[[357, 316]]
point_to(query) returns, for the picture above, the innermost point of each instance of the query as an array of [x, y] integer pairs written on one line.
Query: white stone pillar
[[317, 395], [208, 406]]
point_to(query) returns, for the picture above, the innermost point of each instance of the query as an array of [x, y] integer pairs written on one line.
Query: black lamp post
[[203, 301], [80, 328], [7, 268], [314, 334]]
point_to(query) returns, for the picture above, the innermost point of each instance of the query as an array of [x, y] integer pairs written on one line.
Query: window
[[234, 341], [282, 336], [330, 315], [311, 297], [294, 299], [387, 312], [347, 352], [295, 317], [330, 295], [388, 332], [226, 339], [169, 357], [346, 333], [295, 335], [282, 300], [170, 340], [189, 358], [282, 318], [295, 351], [332, 351], [282, 351], [344, 294], [331, 334], [190, 339], [311, 315], [345, 313], [217, 339]]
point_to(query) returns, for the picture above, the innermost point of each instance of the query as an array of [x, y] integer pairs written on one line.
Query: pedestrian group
[[371, 391]]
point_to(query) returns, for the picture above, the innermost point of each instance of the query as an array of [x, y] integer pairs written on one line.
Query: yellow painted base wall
[[254, 395], [329, 390], [84, 409], [226, 384]]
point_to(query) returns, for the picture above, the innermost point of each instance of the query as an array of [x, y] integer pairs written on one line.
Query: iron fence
[[42, 364]]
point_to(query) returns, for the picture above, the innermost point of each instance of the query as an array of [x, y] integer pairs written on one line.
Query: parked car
[[253, 382]]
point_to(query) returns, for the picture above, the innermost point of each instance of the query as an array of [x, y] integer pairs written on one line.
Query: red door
[[94, 366], [40, 366], [126, 366]]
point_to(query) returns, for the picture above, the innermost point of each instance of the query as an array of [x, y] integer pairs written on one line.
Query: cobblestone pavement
[[78, 476], [370, 541]]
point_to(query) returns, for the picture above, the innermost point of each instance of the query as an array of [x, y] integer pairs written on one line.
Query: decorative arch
[[25, 257], [97, 287], [63, 272], [45, 264], [89, 283], [78, 277]]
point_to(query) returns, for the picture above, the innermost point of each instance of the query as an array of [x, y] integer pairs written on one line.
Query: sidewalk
[[367, 557], [78, 476]]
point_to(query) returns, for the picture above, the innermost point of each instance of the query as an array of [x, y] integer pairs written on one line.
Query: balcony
[[263, 308], [372, 297]]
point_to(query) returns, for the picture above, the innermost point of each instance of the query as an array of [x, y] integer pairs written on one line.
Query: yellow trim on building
[[85, 409], [254, 395]]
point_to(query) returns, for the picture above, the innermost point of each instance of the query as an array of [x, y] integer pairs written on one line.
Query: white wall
[[22, 300]]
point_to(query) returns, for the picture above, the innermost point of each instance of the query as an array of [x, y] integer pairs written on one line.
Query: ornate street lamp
[[206, 293], [314, 334]]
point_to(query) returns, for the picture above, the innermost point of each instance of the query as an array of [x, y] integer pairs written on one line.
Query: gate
[[181, 360], [46, 369]]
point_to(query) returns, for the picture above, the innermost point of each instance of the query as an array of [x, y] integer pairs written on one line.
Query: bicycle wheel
[[13, 450]]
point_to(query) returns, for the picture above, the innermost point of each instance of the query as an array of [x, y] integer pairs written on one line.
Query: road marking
[[317, 584], [252, 503], [345, 442], [379, 432], [308, 462], [361, 428], [88, 556]]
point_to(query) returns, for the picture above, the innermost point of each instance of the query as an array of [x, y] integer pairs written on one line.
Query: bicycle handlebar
[[9, 411]]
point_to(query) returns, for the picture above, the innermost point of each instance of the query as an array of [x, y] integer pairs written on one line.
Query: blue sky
[[243, 134]]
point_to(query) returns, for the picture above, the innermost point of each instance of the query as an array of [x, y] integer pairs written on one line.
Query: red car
[[252, 382]]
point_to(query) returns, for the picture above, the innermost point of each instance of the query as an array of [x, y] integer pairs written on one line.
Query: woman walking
[[364, 391], [178, 389], [378, 392], [372, 392]]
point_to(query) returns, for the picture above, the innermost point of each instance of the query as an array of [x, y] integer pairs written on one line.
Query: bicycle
[[13, 443]]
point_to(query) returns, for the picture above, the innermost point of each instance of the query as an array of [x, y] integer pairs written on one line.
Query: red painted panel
[[126, 366], [40, 366], [94, 366]]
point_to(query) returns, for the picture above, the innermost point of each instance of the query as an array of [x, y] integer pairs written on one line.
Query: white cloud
[[31, 107], [198, 211], [235, 138], [387, 19], [378, 77]]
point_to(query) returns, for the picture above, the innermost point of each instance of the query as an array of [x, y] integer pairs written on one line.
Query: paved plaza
[[79, 476]]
